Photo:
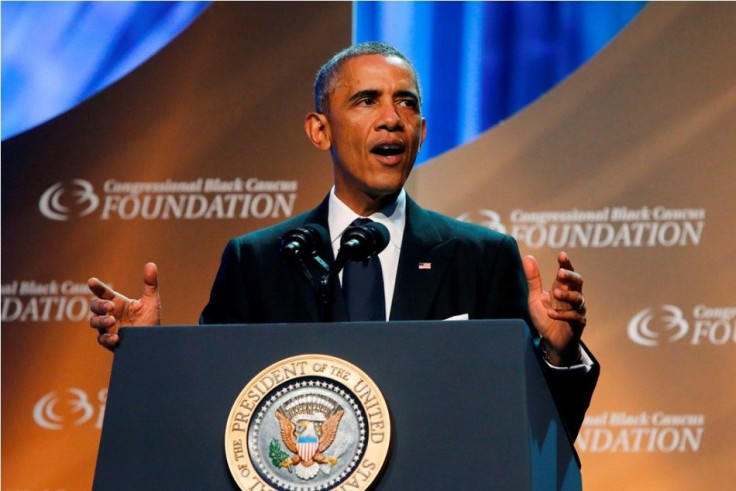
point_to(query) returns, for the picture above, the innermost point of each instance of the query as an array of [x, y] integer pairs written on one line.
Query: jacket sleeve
[[571, 388]]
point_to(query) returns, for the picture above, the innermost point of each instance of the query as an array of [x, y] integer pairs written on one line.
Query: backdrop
[[203, 142], [628, 166], [625, 165]]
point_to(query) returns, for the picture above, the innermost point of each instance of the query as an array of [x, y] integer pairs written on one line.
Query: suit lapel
[[425, 257]]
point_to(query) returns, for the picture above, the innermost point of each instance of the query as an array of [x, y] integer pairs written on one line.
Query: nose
[[389, 118]]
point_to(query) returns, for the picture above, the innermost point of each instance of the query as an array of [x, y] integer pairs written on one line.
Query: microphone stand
[[327, 287], [323, 283], [357, 243], [324, 292], [325, 297]]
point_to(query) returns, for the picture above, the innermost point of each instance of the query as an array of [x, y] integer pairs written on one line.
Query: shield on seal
[[306, 446]]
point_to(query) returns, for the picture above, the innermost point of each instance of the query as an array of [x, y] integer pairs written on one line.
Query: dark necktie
[[362, 287]]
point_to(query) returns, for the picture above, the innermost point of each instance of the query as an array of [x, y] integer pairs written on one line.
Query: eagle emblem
[[300, 424], [308, 424]]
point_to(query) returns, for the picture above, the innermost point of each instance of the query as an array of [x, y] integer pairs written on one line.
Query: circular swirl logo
[[47, 414], [647, 327], [61, 201], [485, 218]]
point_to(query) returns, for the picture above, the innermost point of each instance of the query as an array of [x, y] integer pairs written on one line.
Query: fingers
[[104, 323], [108, 340], [580, 308], [566, 274], [568, 280], [99, 306], [111, 310], [102, 308], [531, 271], [567, 290], [574, 299], [100, 289], [574, 319], [564, 261], [150, 280]]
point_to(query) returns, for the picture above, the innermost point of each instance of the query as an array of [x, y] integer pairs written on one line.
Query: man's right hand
[[112, 310]]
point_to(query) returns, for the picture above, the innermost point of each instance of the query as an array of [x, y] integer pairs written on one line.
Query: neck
[[366, 205]]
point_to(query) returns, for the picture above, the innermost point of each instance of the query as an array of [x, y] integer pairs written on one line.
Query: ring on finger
[[581, 308]]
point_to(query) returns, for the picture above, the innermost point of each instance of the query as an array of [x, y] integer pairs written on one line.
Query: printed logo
[[310, 422], [53, 301], [61, 201], [72, 407], [668, 324], [658, 431], [203, 198], [486, 218], [673, 325], [614, 227]]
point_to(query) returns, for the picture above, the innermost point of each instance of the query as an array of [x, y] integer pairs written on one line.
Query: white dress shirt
[[393, 217]]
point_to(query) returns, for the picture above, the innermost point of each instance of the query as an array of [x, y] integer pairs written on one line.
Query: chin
[[386, 189]]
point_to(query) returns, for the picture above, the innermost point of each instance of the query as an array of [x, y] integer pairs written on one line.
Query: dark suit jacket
[[474, 271]]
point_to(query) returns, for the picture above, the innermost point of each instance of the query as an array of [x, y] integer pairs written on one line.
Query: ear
[[318, 130]]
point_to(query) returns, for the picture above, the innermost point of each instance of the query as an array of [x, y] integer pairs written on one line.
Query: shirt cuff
[[585, 362]]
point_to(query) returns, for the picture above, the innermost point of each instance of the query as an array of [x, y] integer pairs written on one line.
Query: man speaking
[[368, 117]]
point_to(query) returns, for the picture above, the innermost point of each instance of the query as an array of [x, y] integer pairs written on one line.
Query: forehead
[[375, 72]]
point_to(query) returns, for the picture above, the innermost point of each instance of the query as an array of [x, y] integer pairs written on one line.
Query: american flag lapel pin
[[425, 265]]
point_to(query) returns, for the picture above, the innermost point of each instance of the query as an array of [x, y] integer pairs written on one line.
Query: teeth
[[388, 149]]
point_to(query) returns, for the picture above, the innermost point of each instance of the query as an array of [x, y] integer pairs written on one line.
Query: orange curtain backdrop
[[628, 165], [202, 143]]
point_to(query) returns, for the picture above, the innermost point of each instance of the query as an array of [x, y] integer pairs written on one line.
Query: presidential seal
[[308, 423]]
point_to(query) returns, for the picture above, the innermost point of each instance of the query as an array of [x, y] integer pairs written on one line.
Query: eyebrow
[[374, 93], [367, 93]]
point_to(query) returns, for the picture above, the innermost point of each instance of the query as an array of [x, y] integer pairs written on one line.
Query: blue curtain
[[56, 54], [480, 62]]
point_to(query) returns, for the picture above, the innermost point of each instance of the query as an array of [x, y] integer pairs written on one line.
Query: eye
[[365, 101], [410, 103]]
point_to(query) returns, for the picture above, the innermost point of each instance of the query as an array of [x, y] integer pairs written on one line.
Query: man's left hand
[[557, 314]]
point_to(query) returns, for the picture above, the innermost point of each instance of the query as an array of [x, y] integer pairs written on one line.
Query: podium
[[468, 403]]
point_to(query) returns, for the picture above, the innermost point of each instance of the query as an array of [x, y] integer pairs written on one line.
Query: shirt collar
[[393, 216]]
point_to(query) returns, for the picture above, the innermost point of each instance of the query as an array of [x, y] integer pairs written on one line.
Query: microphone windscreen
[[360, 242], [319, 235], [305, 240], [381, 236]]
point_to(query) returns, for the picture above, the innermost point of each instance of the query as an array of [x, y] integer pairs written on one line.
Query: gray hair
[[327, 74]]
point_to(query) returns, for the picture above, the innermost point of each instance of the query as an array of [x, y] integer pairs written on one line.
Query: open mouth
[[389, 149]]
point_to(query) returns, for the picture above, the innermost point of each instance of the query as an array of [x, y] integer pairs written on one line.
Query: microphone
[[303, 242], [359, 242]]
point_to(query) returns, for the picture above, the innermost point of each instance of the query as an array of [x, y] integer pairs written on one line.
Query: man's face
[[374, 127]]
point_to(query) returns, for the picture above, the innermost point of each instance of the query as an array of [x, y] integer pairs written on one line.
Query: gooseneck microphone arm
[[300, 247], [358, 243], [302, 244]]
